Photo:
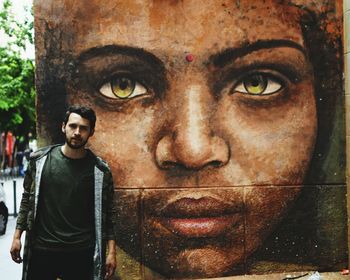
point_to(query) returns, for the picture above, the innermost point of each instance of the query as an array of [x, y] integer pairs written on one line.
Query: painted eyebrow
[[228, 55], [109, 50]]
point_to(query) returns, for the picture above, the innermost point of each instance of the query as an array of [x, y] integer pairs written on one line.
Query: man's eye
[[258, 84], [122, 88]]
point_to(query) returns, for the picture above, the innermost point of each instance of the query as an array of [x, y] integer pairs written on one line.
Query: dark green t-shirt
[[65, 216]]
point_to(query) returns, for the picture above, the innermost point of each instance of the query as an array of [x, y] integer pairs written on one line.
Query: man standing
[[67, 209]]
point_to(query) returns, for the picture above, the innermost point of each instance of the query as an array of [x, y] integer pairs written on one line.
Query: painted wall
[[222, 121]]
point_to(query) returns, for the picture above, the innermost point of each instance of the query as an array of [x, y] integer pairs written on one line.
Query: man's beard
[[75, 146]]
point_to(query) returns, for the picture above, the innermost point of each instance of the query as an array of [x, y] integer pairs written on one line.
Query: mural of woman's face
[[206, 116]]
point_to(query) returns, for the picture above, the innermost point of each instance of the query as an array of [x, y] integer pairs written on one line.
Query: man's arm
[[22, 217], [111, 262]]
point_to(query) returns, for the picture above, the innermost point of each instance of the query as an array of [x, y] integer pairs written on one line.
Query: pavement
[[9, 270]]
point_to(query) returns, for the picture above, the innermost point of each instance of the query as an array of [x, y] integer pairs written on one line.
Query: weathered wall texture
[[346, 30], [222, 121]]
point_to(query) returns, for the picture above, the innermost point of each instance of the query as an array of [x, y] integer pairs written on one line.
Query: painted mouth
[[203, 217], [201, 227]]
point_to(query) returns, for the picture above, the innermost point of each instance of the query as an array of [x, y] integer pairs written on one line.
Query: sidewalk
[[10, 270]]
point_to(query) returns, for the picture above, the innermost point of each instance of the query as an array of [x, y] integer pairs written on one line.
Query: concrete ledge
[[280, 276]]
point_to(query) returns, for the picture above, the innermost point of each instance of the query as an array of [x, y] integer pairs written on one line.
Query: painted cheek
[[269, 145], [266, 206], [126, 143]]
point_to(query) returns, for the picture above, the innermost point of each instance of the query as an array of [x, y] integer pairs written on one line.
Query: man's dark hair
[[84, 112]]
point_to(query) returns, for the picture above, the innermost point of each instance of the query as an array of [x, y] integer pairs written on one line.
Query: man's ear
[[92, 132], [63, 127]]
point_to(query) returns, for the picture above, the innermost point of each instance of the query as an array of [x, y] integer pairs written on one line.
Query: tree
[[17, 92]]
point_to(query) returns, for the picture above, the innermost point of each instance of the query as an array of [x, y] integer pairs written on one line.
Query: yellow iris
[[122, 87], [255, 84]]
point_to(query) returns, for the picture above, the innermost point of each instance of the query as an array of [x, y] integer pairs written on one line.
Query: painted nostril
[[176, 152], [216, 163], [168, 164]]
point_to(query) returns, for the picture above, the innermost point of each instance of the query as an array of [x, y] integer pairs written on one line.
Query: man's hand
[[16, 250], [111, 264], [16, 246]]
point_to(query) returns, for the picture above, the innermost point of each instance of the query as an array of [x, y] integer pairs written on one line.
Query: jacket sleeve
[[111, 208], [25, 202]]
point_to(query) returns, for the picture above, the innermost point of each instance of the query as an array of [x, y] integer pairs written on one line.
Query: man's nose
[[191, 142], [77, 131]]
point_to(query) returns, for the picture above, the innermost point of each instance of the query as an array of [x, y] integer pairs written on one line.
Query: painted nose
[[191, 143]]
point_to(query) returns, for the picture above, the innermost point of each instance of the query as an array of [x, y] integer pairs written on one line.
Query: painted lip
[[203, 217]]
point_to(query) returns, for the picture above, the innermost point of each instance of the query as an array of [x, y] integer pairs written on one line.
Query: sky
[[19, 11]]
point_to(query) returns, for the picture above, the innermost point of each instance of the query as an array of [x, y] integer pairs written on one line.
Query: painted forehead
[[173, 24]]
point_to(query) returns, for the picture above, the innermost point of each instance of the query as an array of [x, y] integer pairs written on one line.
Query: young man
[[67, 208]]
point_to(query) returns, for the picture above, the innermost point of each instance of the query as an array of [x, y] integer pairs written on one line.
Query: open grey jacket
[[104, 208]]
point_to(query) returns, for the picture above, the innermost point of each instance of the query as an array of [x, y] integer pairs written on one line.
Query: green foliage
[[17, 93]]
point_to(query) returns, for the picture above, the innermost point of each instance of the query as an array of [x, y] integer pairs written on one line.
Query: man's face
[[77, 131], [207, 155]]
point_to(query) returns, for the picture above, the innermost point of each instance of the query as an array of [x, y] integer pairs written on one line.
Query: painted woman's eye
[[122, 88], [258, 84]]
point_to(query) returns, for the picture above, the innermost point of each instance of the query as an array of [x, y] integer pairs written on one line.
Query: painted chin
[[209, 262]]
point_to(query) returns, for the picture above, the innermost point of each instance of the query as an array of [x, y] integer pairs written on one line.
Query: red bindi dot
[[189, 57]]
